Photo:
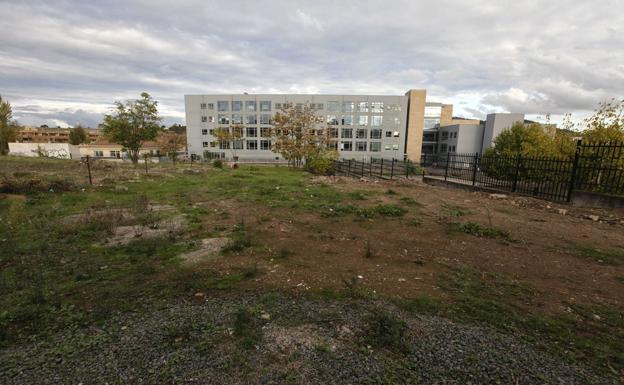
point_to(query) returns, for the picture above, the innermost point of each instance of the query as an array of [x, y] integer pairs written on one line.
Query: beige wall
[[446, 117], [416, 123]]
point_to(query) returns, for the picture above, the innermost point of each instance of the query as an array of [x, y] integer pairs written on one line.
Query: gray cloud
[[69, 60]]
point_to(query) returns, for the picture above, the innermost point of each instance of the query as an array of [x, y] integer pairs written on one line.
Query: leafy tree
[[77, 135], [606, 124], [525, 140], [8, 129], [300, 139], [171, 143], [133, 123], [177, 128], [230, 139]]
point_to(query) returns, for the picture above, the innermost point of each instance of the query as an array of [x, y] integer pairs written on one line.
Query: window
[[393, 108], [224, 119], [250, 105], [434, 111], [202, 106], [347, 133], [278, 106], [444, 136], [318, 106], [375, 133], [395, 146], [348, 106], [451, 148], [213, 144], [265, 119], [375, 146], [224, 145], [237, 144], [332, 119], [455, 135], [332, 146], [99, 153], [363, 120], [347, 120], [333, 106], [237, 119], [223, 105], [299, 107], [361, 133], [204, 131], [363, 107], [376, 120], [360, 146], [333, 132], [237, 131], [211, 119], [211, 131], [211, 106], [387, 147], [265, 105], [377, 107], [251, 119], [346, 146], [388, 134], [265, 144], [251, 132], [265, 132], [237, 105], [205, 144], [252, 144], [432, 122], [115, 154], [443, 147], [204, 119], [396, 134]]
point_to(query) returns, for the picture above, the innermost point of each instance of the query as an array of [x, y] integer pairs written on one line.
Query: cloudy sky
[[65, 62]]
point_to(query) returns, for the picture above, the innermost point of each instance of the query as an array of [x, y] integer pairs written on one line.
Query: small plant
[[608, 257], [390, 210], [415, 222], [409, 201], [477, 230], [217, 163], [454, 210], [391, 192], [386, 331], [239, 240], [247, 328]]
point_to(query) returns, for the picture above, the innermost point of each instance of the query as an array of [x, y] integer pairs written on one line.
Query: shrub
[[247, 328], [454, 210], [386, 331], [217, 163]]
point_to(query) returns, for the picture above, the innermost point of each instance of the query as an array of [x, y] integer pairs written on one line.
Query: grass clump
[[473, 228], [239, 241], [390, 210], [391, 192], [608, 257], [454, 210], [409, 201], [386, 331], [247, 328], [217, 163]]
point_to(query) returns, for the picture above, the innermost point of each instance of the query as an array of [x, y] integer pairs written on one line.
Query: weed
[[477, 230], [390, 210], [454, 210], [409, 201], [247, 328], [357, 195], [239, 241], [608, 257], [217, 163], [415, 222], [386, 331], [391, 192]]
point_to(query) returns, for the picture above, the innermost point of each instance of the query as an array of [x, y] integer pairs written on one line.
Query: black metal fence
[[595, 167]]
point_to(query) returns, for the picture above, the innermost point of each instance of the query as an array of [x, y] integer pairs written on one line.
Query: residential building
[[52, 135]]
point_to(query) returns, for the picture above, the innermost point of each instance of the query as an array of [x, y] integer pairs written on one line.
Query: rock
[[209, 248], [498, 196], [200, 295], [360, 277], [402, 279], [594, 218], [265, 316], [562, 211], [121, 188]]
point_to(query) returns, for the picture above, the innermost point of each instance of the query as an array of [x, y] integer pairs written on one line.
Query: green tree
[[171, 143], [8, 129], [526, 140], [133, 123], [77, 135], [177, 128], [230, 139], [606, 124]]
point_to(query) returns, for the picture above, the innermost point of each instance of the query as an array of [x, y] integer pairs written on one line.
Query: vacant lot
[[194, 274]]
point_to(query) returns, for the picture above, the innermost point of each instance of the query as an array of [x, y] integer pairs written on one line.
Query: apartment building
[[52, 135]]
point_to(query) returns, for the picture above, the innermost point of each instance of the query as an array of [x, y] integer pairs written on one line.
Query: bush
[[386, 331], [321, 165], [246, 328], [390, 210], [477, 230], [217, 163]]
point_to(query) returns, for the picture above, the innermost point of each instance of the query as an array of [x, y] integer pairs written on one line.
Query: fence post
[[516, 174], [362, 168], [474, 169], [577, 155], [381, 171], [406, 164], [145, 161], [349, 168], [447, 166], [392, 169], [89, 169]]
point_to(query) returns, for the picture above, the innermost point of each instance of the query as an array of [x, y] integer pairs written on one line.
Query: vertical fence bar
[[392, 168], [381, 171], [516, 174], [349, 168], [577, 155], [362, 168], [474, 169], [446, 167], [89, 169], [406, 164]]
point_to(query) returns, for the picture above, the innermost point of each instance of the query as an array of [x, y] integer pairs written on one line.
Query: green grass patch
[[473, 228], [247, 328], [604, 256], [454, 210]]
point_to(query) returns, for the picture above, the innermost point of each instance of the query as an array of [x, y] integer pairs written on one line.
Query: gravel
[[305, 342]]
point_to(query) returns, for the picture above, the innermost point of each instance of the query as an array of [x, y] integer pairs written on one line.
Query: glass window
[[347, 133], [265, 132], [99, 153], [363, 107], [237, 119], [375, 146], [299, 107], [347, 120], [278, 106], [348, 106], [444, 135], [202, 106], [333, 132], [211, 106], [265, 119], [432, 122], [434, 111], [346, 146], [204, 119], [205, 144], [250, 105], [361, 133], [204, 131], [237, 144], [213, 144], [252, 144], [396, 134], [375, 133], [363, 120], [333, 145], [395, 146], [224, 145], [332, 119], [393, 108], [211, 119], [211, 131], [265, 144], [387, 147], [333, 106], [443, 147], [377, 107], [224, 119], [223, 105], [251, 119], [319, 106], [388, 134], [237, 131], [360, 146], [376, 120], [265, 105], [237, 105], [251, 132]]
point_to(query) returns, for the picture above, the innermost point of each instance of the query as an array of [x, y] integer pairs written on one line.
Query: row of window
[[332, 106], [445, 148], [266, 145], [449, 135], [239, 119], [333, 120], [360, 133], [238, 144]]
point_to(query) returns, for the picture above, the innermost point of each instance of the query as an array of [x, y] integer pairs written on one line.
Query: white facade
[[461, 138], [364, 126], [49, 150]]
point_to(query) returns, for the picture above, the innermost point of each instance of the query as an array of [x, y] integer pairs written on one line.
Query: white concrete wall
[[495, 124], [50, 150]]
